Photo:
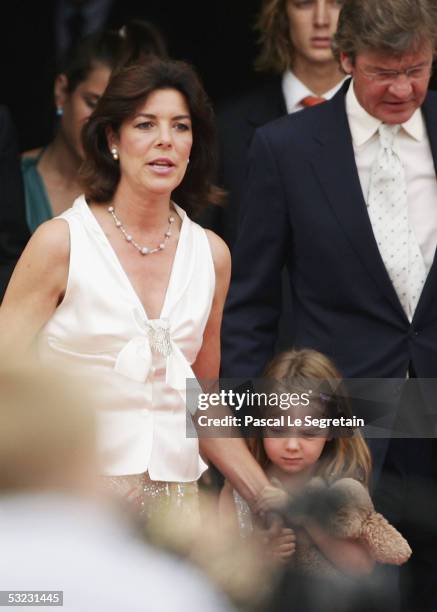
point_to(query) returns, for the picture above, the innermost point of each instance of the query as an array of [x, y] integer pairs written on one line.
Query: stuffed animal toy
[[343, 509]]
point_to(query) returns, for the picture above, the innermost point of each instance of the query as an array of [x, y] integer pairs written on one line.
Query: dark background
[[216, 36]]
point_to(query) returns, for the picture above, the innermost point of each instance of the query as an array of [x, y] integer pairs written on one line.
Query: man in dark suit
[[321, 189], [305, 207], [13, 229]]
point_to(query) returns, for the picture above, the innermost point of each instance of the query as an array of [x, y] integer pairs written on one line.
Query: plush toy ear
[[316, 484], [386, 544], [346, 523], [354, 506]]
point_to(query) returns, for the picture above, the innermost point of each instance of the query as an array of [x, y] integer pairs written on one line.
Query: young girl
[[331, 525]]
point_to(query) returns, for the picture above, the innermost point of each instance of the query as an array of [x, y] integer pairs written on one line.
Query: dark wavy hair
[[127, 90], [134, 41]]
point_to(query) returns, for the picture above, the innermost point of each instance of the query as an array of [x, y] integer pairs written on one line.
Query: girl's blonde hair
[[342, 456]]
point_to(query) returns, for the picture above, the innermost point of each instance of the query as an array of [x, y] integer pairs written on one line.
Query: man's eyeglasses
[[388, 77]]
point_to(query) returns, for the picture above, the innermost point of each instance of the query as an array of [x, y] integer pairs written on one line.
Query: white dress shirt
[[295, 91], [412, 146]]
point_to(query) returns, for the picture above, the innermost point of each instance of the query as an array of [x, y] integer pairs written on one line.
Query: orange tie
[[312, 101]]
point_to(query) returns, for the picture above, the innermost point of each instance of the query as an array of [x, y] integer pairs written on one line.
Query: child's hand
[[280, 543], [284, 545]]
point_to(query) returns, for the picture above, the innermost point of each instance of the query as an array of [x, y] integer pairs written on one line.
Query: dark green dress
[[38, 207]]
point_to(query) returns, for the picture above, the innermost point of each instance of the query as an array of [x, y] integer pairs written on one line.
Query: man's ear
[[60, 92], [346, 63]]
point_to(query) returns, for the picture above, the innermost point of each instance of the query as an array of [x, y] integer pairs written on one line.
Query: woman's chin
[[160, 187]]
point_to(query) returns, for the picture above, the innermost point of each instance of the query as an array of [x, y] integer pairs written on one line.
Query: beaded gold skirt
[[153, 500]]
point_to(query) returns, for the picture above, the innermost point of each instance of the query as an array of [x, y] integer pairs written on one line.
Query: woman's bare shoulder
[[54, 231], [40, 276], [50, 242], [220, 251]]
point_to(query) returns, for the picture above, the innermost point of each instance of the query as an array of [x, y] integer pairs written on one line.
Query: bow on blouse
[[135, 359]]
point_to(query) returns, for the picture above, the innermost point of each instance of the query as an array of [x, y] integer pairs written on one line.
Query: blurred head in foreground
[[47, 432]]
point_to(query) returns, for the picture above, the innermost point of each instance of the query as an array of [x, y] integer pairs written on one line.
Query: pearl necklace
[[142, 249]]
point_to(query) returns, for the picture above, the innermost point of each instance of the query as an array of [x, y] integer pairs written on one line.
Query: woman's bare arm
[[36, 287], [207, 364], [230, 455]]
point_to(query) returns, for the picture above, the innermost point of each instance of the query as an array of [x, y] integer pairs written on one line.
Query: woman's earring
[[114, 153], [59, 111]]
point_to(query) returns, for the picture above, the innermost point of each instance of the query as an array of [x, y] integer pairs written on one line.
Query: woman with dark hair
[[125, 286], [50, 173]]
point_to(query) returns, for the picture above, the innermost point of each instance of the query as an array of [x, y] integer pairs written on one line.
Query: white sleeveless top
[[102, 328]]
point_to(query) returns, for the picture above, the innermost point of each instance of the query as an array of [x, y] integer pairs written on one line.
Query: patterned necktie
[[388, 212], [312, 101]]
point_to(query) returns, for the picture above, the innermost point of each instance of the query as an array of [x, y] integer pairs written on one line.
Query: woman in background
[[50, 173]]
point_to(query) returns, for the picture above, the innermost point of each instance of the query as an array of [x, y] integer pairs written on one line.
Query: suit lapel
[[429, 109], [335, 167]]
